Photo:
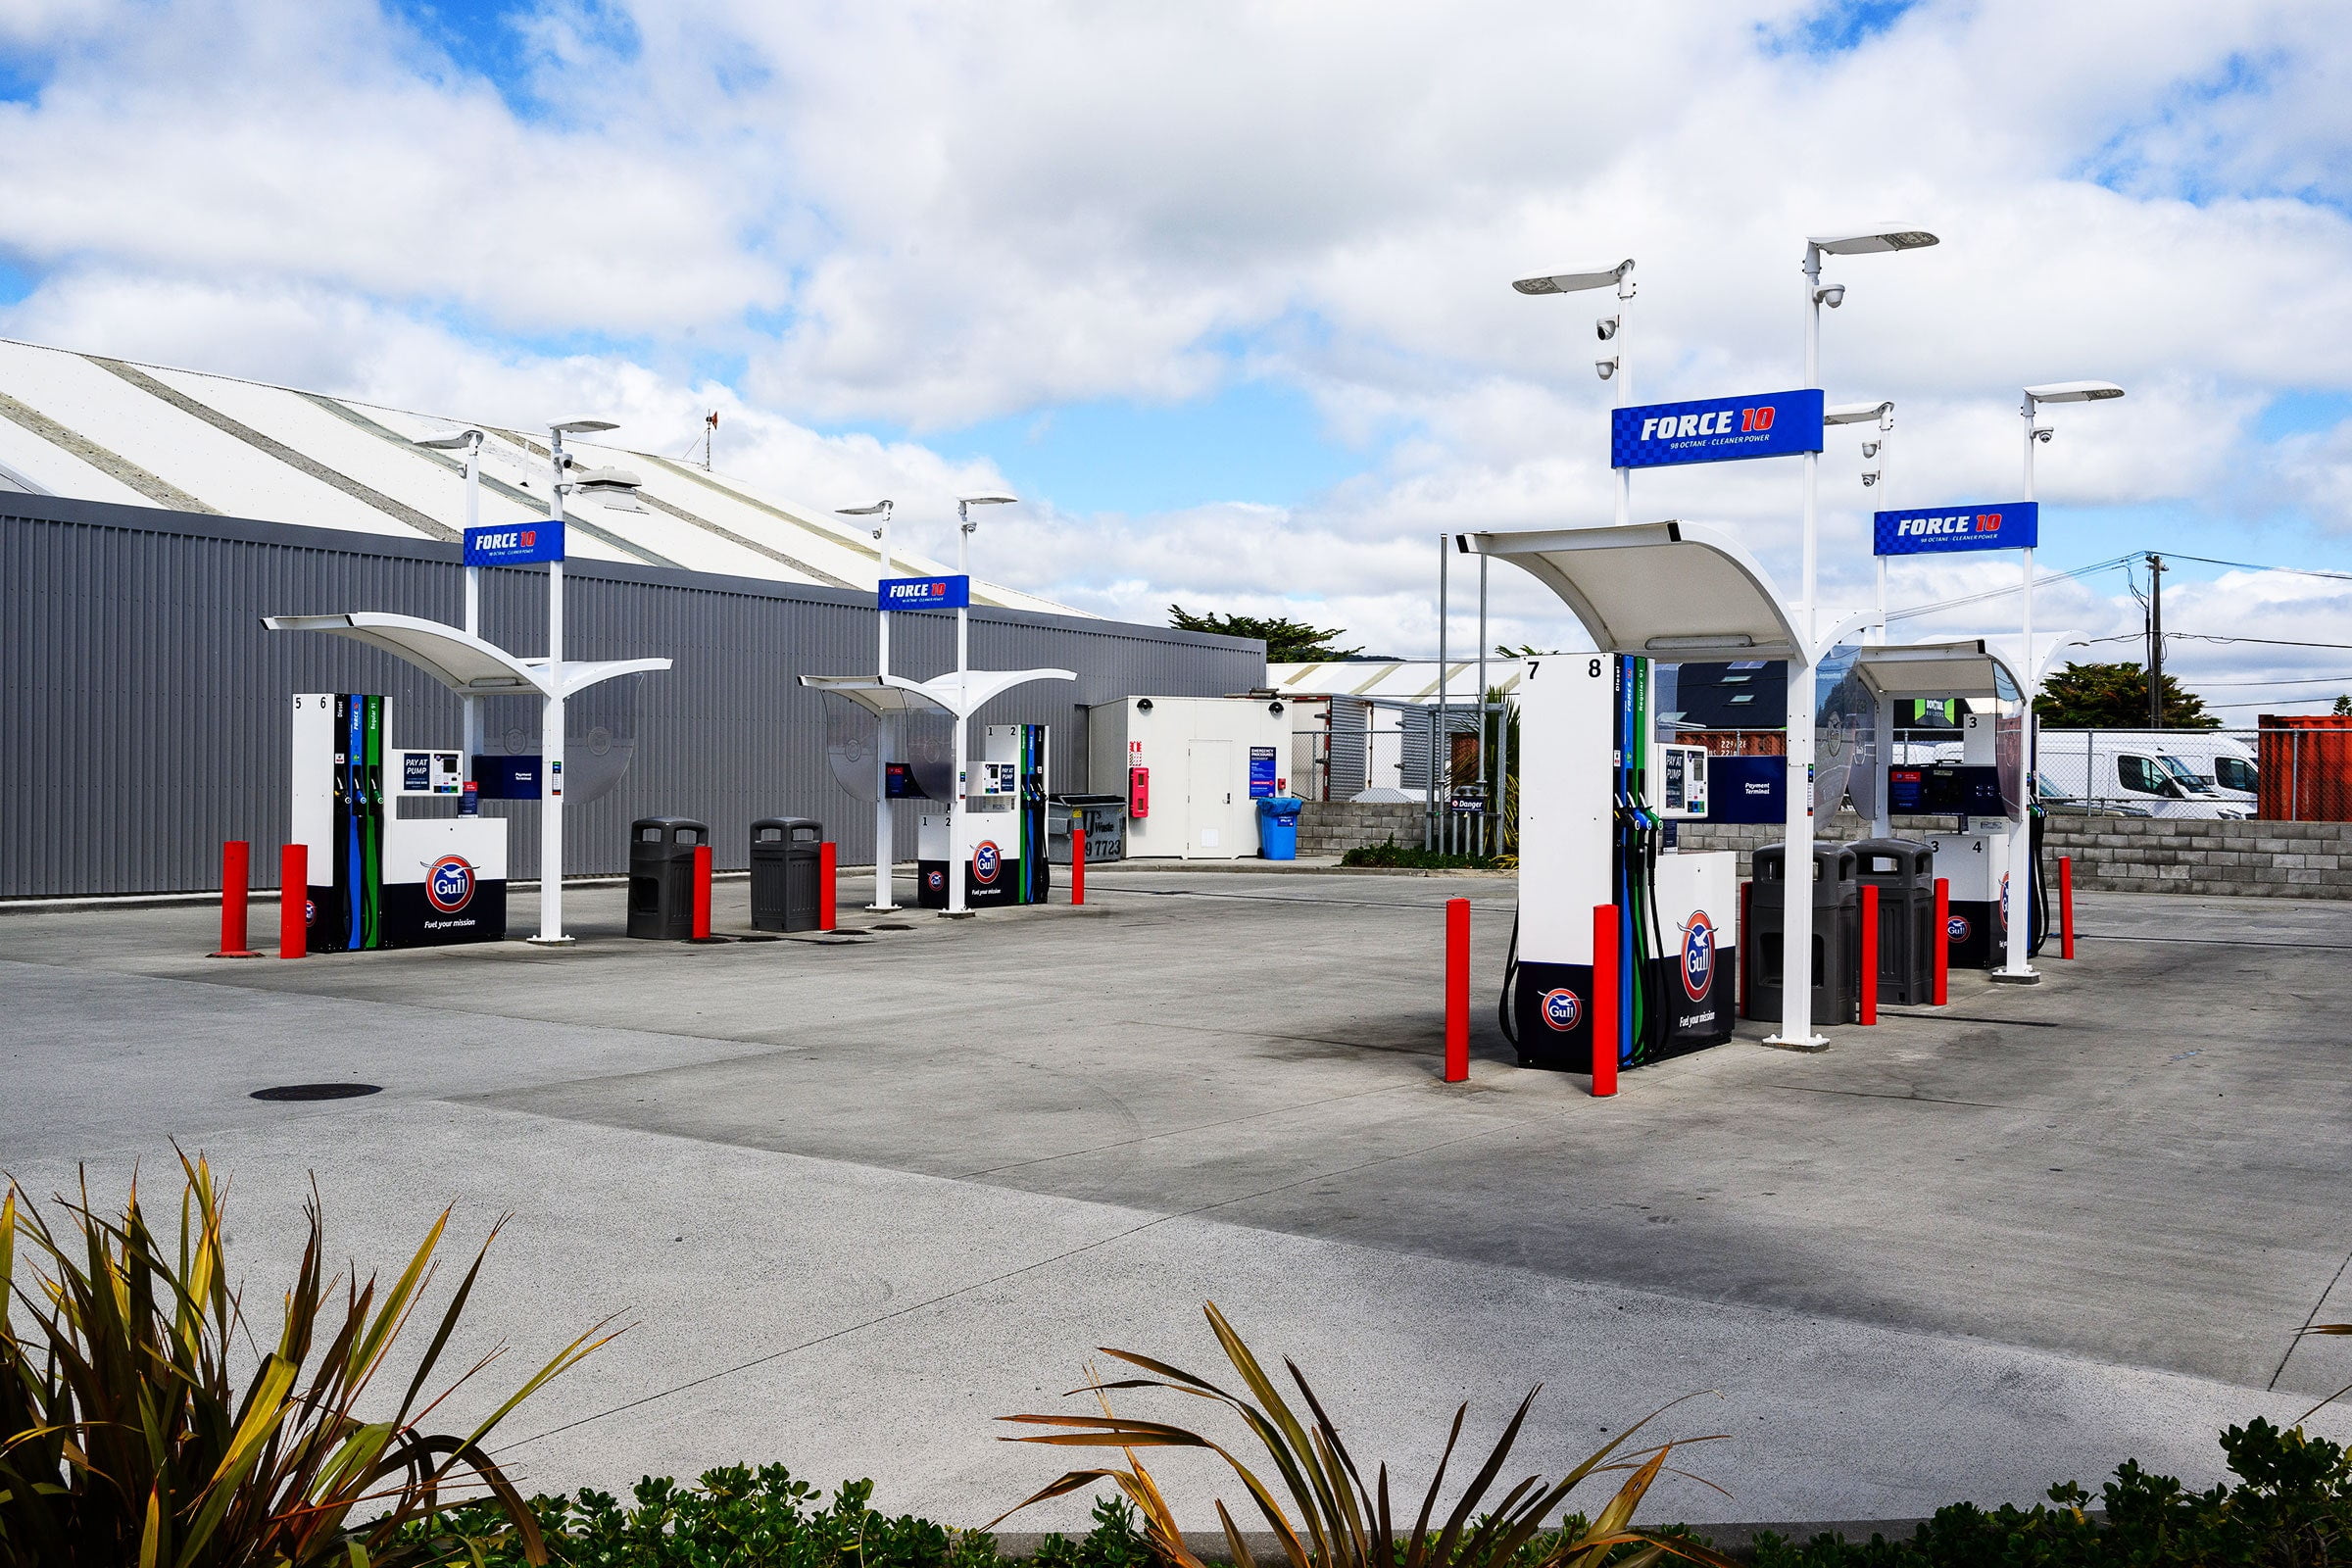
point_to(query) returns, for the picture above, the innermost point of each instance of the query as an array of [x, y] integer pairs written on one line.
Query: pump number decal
[[1699, 956], [987, 861], [1563, 1009], [1957, 927], [448, 883]]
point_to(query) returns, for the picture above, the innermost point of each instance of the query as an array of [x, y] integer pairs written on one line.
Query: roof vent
[[615, 489]]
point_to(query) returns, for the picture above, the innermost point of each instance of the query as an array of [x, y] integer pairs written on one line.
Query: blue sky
[[1222, 293]]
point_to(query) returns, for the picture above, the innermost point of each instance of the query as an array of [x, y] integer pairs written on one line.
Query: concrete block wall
[[2135, 855], [1334, 827]]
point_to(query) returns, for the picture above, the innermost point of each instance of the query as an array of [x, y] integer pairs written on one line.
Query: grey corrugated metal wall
[[143, 707]]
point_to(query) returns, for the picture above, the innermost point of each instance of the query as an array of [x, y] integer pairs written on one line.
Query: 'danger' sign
[[518, 546], [1761, 425], [1997, 525]]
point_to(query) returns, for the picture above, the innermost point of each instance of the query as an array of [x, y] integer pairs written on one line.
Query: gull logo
[[935, 880], [1562, 1008], [1699, 956], [449, 884], [1957, 927], [987, 861]]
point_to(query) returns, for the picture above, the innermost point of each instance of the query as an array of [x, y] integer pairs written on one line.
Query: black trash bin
[[661, 876], [1904, 870], [786, 864], [1836, 934]]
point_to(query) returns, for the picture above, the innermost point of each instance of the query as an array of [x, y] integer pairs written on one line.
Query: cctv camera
[[1831, 294], [1870, 478], [2041, 433], [1606, 327], [1870, 449], [1606, 368]]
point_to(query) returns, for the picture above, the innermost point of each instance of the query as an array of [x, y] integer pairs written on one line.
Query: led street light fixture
[[1572, 283], [1881, 237], [449, 443], [2074, 392], [1857, 413], [583, 426]]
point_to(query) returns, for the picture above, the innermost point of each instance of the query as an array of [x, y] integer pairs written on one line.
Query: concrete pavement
[[860, 1198]]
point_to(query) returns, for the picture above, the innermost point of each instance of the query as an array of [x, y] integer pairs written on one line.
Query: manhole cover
[[317, 1091]]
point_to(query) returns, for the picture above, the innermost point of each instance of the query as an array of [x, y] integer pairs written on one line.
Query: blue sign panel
[[2000, 525], [522, 546], [1261, 772], [1761, 425], [925, 593]]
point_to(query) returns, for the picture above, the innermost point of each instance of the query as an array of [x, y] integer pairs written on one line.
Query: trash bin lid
[[654, 829]]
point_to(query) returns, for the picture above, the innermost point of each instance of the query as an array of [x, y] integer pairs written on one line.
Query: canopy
[[1673, 590], [461, 660], [1966, 666], [962, 695]]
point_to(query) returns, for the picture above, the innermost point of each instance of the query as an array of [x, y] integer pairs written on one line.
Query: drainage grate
[[317, 1091]]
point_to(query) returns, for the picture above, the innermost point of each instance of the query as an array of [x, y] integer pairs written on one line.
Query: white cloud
[[929, 215]]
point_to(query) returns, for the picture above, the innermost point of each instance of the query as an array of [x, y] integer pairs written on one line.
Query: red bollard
[[1943, 936], [1870, 953], [1457, 991], [1604, 999], [702, 893], [236, 866], [294, 900], [2066, 906], [1077, 866], [825, 885]]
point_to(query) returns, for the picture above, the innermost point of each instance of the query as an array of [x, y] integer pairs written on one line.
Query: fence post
[[826, 865], [2066, 906], [1604, 1001], [294, 900], [1943, 936], [1457, 990], [236, 868], [1077, 866], [1869, 1006]]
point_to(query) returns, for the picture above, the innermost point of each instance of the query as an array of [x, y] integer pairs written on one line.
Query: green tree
[[2343, 703], [2115, 697], [1288, 642]]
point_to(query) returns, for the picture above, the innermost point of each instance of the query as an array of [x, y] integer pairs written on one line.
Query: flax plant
[[129, 1434], [1346, 1523]]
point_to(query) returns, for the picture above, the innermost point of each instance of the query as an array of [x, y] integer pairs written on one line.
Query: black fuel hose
[[1510, 974]]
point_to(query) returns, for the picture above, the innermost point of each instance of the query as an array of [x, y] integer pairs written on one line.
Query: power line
[[2214, 637], [2249, 566], [2002, 593]]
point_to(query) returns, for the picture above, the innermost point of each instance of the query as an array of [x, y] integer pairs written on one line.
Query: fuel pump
[[1600, 798]]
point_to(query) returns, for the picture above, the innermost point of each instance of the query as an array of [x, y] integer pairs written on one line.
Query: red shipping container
[[2306, 765]]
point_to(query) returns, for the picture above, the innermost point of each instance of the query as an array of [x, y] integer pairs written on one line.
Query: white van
[[2170, 772]]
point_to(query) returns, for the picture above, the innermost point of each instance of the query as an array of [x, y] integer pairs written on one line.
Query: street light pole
[[959, 815], [885, 828], [551, 722], [1796, 865], [1611, 328], [2017, 966], [470, 443]]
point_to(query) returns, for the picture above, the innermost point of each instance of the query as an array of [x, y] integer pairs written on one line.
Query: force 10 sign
[[925, 593], [2000, 525], [515, 547], [1762, 425]]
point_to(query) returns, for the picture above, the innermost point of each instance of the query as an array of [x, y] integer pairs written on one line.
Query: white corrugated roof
[[103, 429]]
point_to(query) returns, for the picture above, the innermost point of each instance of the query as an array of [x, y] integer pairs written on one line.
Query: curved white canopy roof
[[1966, 666], [962, 696], [460, 661], [1669, 589]]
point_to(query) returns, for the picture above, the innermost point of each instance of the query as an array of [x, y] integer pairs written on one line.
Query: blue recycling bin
[[1278, 826]]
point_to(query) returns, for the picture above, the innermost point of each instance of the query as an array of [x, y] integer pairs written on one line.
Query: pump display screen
[[1944, 791]]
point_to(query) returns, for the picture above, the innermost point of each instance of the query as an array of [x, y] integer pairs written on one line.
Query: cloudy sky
[[1220, 290]]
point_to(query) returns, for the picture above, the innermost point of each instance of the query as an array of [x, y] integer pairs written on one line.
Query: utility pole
[[2156, 572]]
